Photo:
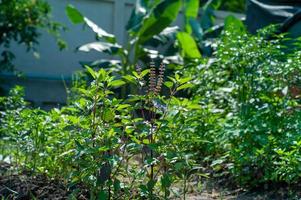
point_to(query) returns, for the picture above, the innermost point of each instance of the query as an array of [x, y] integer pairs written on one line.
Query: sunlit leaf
[[99, 31], [137, 15], [116, 83], [101, 47], [191, 12], [130, 78], [185, 86], [74, 15], [108, 115], [91, 71], [234, 24], [188, 45], [161, 16], [168, 84], [144, 73]]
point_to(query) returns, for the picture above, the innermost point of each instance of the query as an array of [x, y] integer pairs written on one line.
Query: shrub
[[253, 81]]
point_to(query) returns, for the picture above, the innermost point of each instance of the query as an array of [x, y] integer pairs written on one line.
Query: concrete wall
[[43, 76]]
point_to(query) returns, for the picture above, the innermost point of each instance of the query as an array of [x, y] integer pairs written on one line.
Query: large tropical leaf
[[160, 17], [167, 35], [103, 63], [105, 47], [77, 18], [188, 45], [208, 17], [100, 32], [137, 15], [191, 12], [74, 15], [197, 30]]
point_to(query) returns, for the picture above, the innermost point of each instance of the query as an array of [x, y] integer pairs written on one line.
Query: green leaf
[[185, 80], [76, 18], [123, 106], [185, 86], [151, 184], [168, 34], [188, 45], [117, 185], [234, 25], [196, 29], [102, 195], [100, 32], [130, 78], [102, 75], [173, 79], [207, 19], [145, 141], [137, 15], [168, 84], [136, 74], [108, 115], [162, 16], [74, 15], [144, 73], [191, 12], [166, 181], [191, 8], [116, 83], [91, 71], [67, 152]]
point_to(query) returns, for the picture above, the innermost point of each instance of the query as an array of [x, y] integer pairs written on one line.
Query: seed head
[[152, 78], [160, 78]]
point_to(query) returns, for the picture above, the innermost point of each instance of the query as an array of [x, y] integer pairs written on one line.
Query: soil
[[25, 186]]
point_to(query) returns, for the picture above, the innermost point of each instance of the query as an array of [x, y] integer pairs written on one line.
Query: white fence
[[43, 76]]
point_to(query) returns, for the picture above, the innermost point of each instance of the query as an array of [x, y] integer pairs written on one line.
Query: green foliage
[[149, 30], [162, 16], [236, 113], [19, 22], [253, 82], [118, 148], [153, 18]]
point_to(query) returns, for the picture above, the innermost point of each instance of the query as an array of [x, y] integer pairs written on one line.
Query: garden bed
[[24, 185]]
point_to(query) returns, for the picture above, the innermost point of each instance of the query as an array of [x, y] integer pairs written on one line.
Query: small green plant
[[118, 148]]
